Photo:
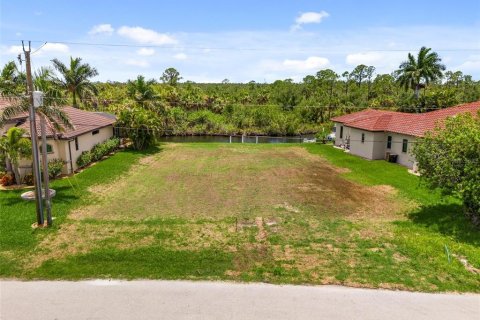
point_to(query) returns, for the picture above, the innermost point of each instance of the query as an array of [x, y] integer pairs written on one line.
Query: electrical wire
[[318, 50]]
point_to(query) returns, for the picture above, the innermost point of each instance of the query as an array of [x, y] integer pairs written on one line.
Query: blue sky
[[242, 40]]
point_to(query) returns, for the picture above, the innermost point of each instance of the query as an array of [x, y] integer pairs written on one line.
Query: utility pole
[[46, 178], [33, 135]]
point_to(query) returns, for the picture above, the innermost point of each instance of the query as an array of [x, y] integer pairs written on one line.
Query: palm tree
[[11, 80], [75, 79], [15, 147], [55, 117], [142, 91], [418, 73]]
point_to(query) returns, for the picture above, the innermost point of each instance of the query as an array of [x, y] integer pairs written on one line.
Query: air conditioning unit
[[392, 157]]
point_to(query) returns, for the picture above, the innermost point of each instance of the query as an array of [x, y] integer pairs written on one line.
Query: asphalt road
[[100, 299]]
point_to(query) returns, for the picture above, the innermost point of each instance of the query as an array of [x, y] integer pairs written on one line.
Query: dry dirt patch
[[241, 181]]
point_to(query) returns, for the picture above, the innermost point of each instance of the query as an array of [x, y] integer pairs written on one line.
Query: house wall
[[60, 150], [404, 158], [339, 142], [379, 145], [25, 165], [85, 143], [375, 145], [365, 149]]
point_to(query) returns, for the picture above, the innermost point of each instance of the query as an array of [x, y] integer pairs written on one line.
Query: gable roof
[[414, 124], [82, 121], [5, 102]]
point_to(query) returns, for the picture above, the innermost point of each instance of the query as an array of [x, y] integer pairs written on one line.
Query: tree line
[[172, 106]]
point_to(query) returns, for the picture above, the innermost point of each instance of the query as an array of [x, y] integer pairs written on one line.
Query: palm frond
[[18, 106], [56, 117]]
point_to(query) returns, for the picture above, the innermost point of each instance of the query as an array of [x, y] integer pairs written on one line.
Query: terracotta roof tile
[[400, 122], [83, 122]]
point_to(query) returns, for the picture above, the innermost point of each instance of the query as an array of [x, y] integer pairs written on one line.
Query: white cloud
[[18, 34], [137, 63], [146, 52], [55, 47], [309, 17], [15, 49], [145, 36], [180, 56], [47, 48], [368, 58], [102, 29], [471, 65], [311, 63]]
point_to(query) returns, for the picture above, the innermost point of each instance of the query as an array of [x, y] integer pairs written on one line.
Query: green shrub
[[84, 159], [28, 179], [98, 152], [55, 167]]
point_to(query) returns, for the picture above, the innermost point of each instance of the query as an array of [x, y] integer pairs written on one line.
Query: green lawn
[[273, 213]]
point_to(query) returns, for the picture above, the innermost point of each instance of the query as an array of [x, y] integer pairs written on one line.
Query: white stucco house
[[376, 134], [89, 129]]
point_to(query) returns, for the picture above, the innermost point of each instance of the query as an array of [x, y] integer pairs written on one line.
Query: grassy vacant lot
[[274, 213]]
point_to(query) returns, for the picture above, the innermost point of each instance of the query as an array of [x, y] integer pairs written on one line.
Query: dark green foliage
[[28, 179], [141, 126], [55, 167], [84, 159], [98, 151], [448, 159]]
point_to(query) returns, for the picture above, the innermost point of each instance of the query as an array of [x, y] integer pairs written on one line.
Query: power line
[[318, 50]]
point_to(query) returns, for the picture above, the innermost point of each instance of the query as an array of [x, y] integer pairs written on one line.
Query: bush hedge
[[55, 167], [98, 152]]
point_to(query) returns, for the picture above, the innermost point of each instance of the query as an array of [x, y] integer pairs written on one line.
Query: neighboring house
[[374, 134], [89, 128]]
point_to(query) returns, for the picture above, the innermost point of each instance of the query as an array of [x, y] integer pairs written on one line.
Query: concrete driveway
[[103, 299]]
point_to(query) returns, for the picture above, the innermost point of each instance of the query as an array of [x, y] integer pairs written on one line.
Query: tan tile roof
[[414, 124], [4, 102], [83, 121]]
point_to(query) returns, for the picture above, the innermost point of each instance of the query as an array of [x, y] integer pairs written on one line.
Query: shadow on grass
[[449, 220]]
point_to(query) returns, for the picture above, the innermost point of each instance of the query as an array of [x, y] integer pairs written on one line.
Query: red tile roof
[[414, 124], [83, 122], [4, 102]]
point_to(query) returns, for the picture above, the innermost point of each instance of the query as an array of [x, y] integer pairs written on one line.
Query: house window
[[389, 142], [341, 132], [404, 145], [49, 148], [94, 132], [363, 137], [76, 144]]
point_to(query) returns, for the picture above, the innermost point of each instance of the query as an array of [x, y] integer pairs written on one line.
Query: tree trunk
[[417, 91], [16, 174], [74, 100], [8, 164]]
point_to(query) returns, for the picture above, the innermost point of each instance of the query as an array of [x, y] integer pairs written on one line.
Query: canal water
[[236, 139]]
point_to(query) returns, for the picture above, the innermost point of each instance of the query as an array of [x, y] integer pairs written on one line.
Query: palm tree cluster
[[416, 73]]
